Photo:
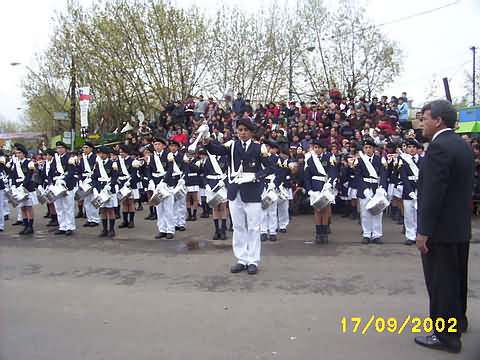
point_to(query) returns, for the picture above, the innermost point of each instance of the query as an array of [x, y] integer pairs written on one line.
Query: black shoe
[[216, 236], [403, 230], [123, 225], [318, 239], [68, 232], [104, 233], [22, 232], [60, 232], [433, 342], [409, 242], [131, 225], [263, 237], [204, 216], [180, 228], [47, 215], [79, 215], [169, 236], [17, 223], [365, 240], [149, 217], [28, 231], [194, 217], [53, 222], [6, 217], [283, 231], [87, 224], [111, 233], [237, 268], [189, 218], [160, 236], [223, 235], [273, 238], [377, 241], [252, 269]]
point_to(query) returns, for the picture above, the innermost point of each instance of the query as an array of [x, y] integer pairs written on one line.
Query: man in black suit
[[444, 223]]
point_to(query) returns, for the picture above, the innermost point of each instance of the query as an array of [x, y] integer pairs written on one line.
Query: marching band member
[[21, 175], [180, 202], [105, 175], [145, 176], [161, 169], [283, 180], [192, 181], [18, 208], [371, 178], [63, 175], [320, 171], [245, 188], [409, 166], [45, 174], [269, 223], [85, 168], [3, 174], [114, 154], [128, 176], [214, 169]]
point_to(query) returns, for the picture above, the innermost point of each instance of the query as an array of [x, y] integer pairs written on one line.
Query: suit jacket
[[68, 164], [28, 167], [167, 167], [328, 162], [111, 173], [445, 190], [82, 172], [252, 159]]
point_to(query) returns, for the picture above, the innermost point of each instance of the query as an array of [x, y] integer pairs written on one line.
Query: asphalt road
[[134, 297]]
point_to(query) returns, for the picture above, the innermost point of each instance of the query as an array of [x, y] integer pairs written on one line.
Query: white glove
[[245, 178], [310, 192], [108, 188], [271, 185], [381, 191], [192, 147], [87, 180], [413, 195], [327, 186], [95, 192], [170, 157], [151, 184], [367, 193], [60, 182]]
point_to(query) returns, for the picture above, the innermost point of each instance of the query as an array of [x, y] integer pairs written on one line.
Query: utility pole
[[72, 102], [473, 77], [290, 76]]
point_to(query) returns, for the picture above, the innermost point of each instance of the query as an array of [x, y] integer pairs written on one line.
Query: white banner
[[84, 101]]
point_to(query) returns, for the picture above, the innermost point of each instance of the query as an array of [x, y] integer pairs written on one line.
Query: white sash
[[122, 166], [216, 166], [47, 166], [18, 168], [369, 166], [158, 164], [176, 169], [58, 162], [101, 169], [86, 164], [318, 165], [409, 161]]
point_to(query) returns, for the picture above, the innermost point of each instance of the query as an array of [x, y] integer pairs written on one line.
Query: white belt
[[157, 175], [319, 178], [414, 178], [214, 177], [270, 177], [192, 174], [103, 180], [87, 174], [125, 177], [370, 180], [60, 177]]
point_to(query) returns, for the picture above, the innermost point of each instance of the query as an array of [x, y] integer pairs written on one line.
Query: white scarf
[[369, 166], [86, 164], [47, 166], [18, 168], [158, 164], [216, 166], [176, 169], [59, 164], [101, 169], [122, 166], [409, 161]]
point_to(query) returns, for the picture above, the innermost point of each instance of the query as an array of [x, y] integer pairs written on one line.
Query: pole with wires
[[473, 76]]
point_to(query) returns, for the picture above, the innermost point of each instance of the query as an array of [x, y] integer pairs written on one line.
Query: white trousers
[[180, 209], [6, 206], [246, 218], [371, 224], [92, 211], [19, 212], [65, 208], [166, 216], [269, 222], [2, 214], [283, 218], [410, 219]]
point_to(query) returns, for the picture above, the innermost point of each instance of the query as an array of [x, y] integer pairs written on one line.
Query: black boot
[[111, 232], [194, 216], [131, 223], [47, 215], [104, 232], [117, 212], [124, 224], [216, 235], [318, 234], [53, 220], [25, 226], [29, 229], [325, 234], [80, 212], [204, 210], [189, 216]]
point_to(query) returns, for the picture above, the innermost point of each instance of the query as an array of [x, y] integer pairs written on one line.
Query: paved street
[[134, 297]]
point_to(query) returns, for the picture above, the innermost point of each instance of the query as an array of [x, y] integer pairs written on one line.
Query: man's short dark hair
[[442, 109]]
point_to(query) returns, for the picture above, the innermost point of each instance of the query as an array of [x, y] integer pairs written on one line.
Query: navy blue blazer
[[406, 174], [28, 169], [167, 166], [283, 174], [192, 172], [69, 166], [329, 164], [111, 173], [361, 172], [3, 172], [252, 161], [81, 166], [207, 170]]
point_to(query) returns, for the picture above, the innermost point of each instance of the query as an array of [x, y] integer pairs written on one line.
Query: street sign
[[96, 136], [60, 116]]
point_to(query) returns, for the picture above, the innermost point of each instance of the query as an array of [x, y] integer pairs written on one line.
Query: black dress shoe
[[52, 223], [18, 223], [87, 224], [180, 228], [28, 231], [111, 233], [216, 236], [60, 232], [273, 238], [377, 241], [189, 218], [6, 217], [252, 269], [433, 342], [104, 233], [365, 240], [263, 237], [149, 217], [237, 268], [123, 225], [169, 236], [223, 235], [283, 231], [22, 232], [160, 236], [409, 242], [131, 225], [68, 232], [194, 218]]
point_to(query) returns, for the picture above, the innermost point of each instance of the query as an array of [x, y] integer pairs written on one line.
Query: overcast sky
[[435, 45]]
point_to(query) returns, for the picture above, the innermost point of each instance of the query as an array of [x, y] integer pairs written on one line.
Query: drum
[[180, 190], [84, 189], [269, 197], [102, 198], [20, 194], [124, 193], [56, 192], [160, 193], [219, 197], [282, 193], [320, 199], [377, 204], [41, 195]]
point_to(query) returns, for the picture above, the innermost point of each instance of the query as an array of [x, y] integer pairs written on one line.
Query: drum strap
[[18, 168], [58, 162], [101, 168], [86, 164], [411, 164], [318, 165], [215, 165], [123, 167], [368, 165], [158, 164]]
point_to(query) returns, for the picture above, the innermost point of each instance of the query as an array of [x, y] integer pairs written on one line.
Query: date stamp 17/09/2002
[[392, 325]]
